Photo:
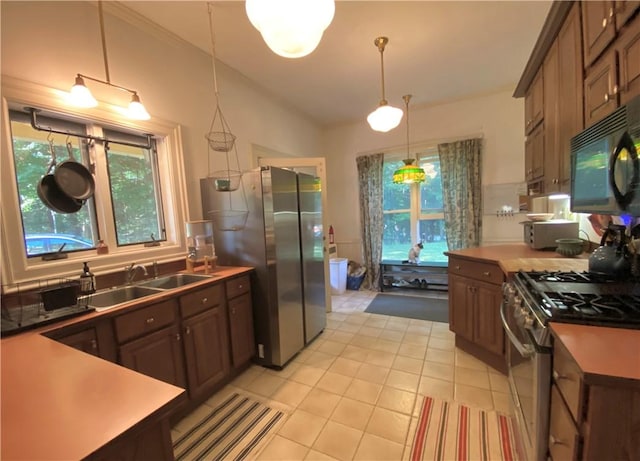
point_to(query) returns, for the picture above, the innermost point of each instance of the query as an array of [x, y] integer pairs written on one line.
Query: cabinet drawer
[[563, 435], [201, 300], [487, 272], [238, 286], [567, 376], [145, 320]]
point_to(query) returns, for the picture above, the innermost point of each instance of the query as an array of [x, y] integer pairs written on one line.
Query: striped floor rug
[[233, 430], [450, 431]]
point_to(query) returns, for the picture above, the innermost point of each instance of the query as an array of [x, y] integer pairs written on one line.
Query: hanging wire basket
[[226, 180], [220, 137]]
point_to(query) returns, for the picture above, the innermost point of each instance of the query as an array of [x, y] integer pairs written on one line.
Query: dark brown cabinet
[[628, 50], [475, 294], [240, 309], [598, 28], [158, 355], [153, 442], [534, 155], [95, 338], [86, 341], [601, 89], [533, 104], [206, 350]]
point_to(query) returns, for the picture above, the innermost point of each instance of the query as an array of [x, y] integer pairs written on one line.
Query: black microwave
[[605, 169]]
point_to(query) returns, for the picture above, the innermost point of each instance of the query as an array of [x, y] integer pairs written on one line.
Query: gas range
[[539, 297]]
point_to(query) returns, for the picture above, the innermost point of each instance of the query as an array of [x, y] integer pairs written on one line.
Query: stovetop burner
[[581, 297]]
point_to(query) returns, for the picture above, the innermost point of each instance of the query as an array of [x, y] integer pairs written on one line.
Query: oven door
[[529, 382]]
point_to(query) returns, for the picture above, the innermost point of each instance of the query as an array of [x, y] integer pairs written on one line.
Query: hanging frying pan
[[51, 195], [73, 178]]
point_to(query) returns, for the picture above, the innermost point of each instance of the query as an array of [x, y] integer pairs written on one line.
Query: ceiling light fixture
[[409, 173], [81, 96], [291, 28], [385, 117]]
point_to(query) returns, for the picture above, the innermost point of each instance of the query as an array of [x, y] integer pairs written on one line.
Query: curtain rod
[[424, 144], [35, 126]]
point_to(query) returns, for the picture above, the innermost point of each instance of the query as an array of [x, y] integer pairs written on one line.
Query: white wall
[[50, 42], [498, 118]]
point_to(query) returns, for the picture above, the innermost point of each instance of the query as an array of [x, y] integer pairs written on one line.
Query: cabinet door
[[570, 87], [153, 443], [461, 306], [158, 355], [533, 104], [598, 28], [243, 343], [534, 154], [488, 331], [551, 101], [86, 341], [628, 48], [601, 89], [206, 350], [624, 10], [563, 436]]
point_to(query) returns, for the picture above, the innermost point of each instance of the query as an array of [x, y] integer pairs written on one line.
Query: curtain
[[371, 218], [461, 190]]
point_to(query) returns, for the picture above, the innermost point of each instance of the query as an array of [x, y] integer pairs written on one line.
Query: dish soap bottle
[[87, 280]]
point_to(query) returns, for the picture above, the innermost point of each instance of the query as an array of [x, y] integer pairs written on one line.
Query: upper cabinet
[[598, 28], [533, 104]]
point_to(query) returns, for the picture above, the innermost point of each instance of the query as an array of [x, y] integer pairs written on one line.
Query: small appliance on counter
[[617, 254], [542, 235]]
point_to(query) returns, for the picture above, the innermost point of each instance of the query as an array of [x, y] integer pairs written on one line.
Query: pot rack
[[34, 124]]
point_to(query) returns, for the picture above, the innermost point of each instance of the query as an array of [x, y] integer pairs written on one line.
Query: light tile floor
[[355, 392]]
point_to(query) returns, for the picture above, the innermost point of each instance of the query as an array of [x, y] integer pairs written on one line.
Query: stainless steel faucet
[[130, 271]]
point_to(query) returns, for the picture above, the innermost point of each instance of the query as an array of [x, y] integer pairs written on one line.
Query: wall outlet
[[261, 351]]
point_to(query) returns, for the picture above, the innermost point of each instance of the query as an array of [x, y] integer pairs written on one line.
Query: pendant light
[[80, 95], [291, 28], [409, 173], [385, 117]]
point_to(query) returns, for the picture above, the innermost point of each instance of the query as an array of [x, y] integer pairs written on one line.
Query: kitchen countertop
[[513, 257], [61, 403], [603, 354]]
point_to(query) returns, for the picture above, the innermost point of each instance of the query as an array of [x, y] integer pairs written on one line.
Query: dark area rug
[[412, 307]]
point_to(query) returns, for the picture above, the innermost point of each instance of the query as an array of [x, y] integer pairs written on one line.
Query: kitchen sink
[[174, 281], [108, 299]]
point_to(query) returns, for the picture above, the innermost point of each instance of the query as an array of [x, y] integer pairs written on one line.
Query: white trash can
[[338, 275]]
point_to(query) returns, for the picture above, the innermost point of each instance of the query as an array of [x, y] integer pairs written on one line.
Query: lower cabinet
[[206, 350], [158, 355], [95, 338], [475, 294], [153, 442], [240, 308]]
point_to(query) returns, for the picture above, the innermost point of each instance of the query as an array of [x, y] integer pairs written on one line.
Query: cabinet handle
[[557, 376], [178, 337], [150, 320], [233, 311], [486, 274], [94, 344], [612, 11], [604, 23], [240, 287], [614, 92], [187, 331], [457, 268], [204, 300]]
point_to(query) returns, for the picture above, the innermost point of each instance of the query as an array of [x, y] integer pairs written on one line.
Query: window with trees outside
[[132, 175], [414, 212]]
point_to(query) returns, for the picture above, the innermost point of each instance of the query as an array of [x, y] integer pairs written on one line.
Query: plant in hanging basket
[[220, 141]]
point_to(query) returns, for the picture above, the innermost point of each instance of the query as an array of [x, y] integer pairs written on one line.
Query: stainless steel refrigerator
[[283, 240]]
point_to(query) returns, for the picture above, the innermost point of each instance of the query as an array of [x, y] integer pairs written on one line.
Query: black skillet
[[50, 193]]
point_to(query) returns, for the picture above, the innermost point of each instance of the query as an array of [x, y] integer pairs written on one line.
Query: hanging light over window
[[291, 28], [409, 173], [385, 117], [81, 96]]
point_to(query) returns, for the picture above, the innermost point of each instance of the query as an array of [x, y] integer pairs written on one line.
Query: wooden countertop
[[60, 403], [603, 354], [513, 257]]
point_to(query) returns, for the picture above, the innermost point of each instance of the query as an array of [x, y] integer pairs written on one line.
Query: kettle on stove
[[612, 257]]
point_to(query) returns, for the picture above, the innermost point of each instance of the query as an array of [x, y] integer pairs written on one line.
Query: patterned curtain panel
[[370, 181], [461, 189]]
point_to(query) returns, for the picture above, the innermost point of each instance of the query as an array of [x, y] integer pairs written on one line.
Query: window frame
[[16, 266], [415, 209]]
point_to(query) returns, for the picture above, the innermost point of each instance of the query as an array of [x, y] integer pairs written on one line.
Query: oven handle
[[525, 351]]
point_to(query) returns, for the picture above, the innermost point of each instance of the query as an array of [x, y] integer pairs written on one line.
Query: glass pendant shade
[[81, 96], [291, 28], [409, 173], [384, 118], [137, 110]]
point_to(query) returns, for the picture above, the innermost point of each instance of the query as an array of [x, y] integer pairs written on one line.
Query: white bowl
[[540, 216]]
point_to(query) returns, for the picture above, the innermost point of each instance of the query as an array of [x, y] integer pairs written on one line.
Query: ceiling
[[437, 51]]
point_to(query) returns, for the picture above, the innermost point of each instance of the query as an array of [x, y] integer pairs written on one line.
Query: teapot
[[612, 257]]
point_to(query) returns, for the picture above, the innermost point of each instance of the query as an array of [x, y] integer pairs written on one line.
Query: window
[[414, 213], [139, 205]]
